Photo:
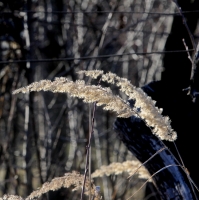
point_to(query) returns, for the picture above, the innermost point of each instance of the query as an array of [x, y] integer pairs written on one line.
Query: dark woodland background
[[44, 135]]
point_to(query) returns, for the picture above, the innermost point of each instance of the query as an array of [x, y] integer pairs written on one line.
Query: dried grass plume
[[131, 167], [144, 107], [73, 179], [11, 197]]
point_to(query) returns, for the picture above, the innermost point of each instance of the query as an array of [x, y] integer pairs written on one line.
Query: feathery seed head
[[104, 96]]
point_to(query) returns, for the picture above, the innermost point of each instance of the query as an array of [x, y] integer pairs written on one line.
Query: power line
[[99, 12], [91, 57]]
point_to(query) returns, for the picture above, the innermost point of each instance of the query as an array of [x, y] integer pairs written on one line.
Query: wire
[[90, 57], [99, 12]]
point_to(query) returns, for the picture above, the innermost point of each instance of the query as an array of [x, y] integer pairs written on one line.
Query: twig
[[187, 49], [193, 89], [185, 23]]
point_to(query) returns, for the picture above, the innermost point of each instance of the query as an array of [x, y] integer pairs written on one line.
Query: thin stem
[[159, 151], [179, 155], [152, 177], [87, 150], [185, 171], [179, 164], [89, 154]]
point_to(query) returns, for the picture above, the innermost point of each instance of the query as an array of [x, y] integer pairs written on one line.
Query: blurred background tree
[[44, 135]]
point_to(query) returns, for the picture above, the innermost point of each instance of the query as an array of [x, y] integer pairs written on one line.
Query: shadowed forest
[[44, 135]]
